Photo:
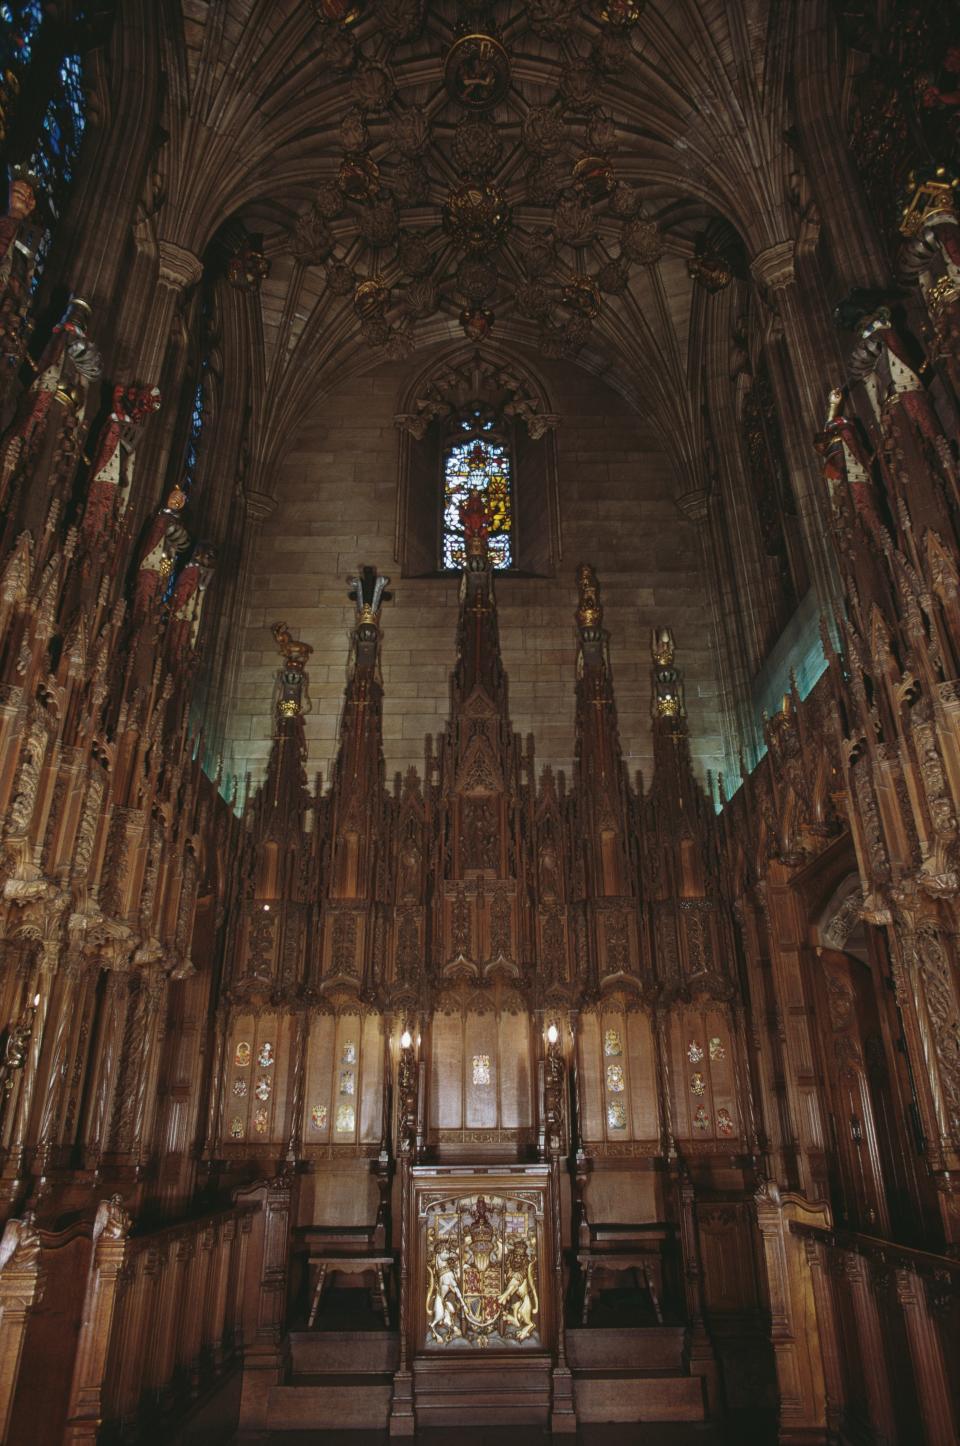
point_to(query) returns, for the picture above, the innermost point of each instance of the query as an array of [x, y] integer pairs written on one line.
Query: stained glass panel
[[478, 463], [193, 439], [55, 156]]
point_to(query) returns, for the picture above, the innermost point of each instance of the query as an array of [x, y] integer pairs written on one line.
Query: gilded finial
[[295, 655], [589, 609], [368, 590], [293, 652]]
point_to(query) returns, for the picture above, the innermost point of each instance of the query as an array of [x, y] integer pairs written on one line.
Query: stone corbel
[[177, 268], [417, 424], [774, 269], [540, 423], [259, 505]]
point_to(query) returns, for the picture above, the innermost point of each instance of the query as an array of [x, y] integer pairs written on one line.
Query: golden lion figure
[[521, 1290]]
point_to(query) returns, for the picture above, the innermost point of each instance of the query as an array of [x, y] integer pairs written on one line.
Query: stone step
[[343, 1352], [352, 1406], [614, 1396]]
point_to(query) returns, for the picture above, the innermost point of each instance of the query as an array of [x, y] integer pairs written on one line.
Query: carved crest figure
[[112, 475], [21, 235], [46, 436], [165, 539]]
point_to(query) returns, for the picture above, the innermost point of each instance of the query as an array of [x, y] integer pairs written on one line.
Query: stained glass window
[[477, 459], [193, 439], [18, 28], [64, 121]]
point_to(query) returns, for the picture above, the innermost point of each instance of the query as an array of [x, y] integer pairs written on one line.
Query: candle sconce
[[553, 1088]]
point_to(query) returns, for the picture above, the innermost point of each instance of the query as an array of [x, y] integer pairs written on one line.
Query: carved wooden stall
[[489, 1016]]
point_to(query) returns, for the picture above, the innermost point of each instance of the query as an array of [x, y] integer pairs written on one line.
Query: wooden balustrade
[[888, 1325], [165, 1315]]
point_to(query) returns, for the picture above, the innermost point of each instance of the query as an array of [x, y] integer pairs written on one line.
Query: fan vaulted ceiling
[[331, 135]]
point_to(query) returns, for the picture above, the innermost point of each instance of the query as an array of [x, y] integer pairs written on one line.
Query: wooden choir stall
[[488, 1024]]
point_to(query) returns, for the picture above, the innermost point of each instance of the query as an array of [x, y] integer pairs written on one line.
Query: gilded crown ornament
[[589, 610], [667, 684], [929, 196]]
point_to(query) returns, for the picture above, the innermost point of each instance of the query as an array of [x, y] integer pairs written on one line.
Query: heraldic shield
[[482, 1268]]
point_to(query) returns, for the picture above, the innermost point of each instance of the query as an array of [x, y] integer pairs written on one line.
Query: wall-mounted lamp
[[553, 1034], [406, 1039]]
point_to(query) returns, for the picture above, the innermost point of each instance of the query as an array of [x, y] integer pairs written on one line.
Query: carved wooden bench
[[346, 1250], [622, 1249]]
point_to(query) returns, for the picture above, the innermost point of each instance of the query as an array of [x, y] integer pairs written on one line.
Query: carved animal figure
[[521, 1290], [442, 1290]]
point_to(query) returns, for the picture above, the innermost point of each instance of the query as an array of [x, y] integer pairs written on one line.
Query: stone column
[[855, 245], [816, 364], [167, 273]]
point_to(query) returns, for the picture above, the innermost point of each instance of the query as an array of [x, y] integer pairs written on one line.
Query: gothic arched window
[[61, 132], [477, 457], [42, 102], [476, 426]]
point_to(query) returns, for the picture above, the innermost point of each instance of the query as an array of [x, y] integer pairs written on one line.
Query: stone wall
[[336, 510]]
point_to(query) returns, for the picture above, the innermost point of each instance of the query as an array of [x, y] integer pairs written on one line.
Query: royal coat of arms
[[482, 1270]]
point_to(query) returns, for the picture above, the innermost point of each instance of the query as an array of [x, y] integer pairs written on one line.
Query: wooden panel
[[516, 1072], [718, 1048], [318, 1114], [345, 1085], [371, 1054], [681, 1075], [446, 1072], [481, 1071], [642, 1077], [591, 1094], [728, 1262], [612, 1065], [238, 1079]]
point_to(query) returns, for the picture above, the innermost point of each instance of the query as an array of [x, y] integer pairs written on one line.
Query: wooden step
[[629, 1396], [349, 1406], [646, 1348], [494, 1391], [343, 1352]]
